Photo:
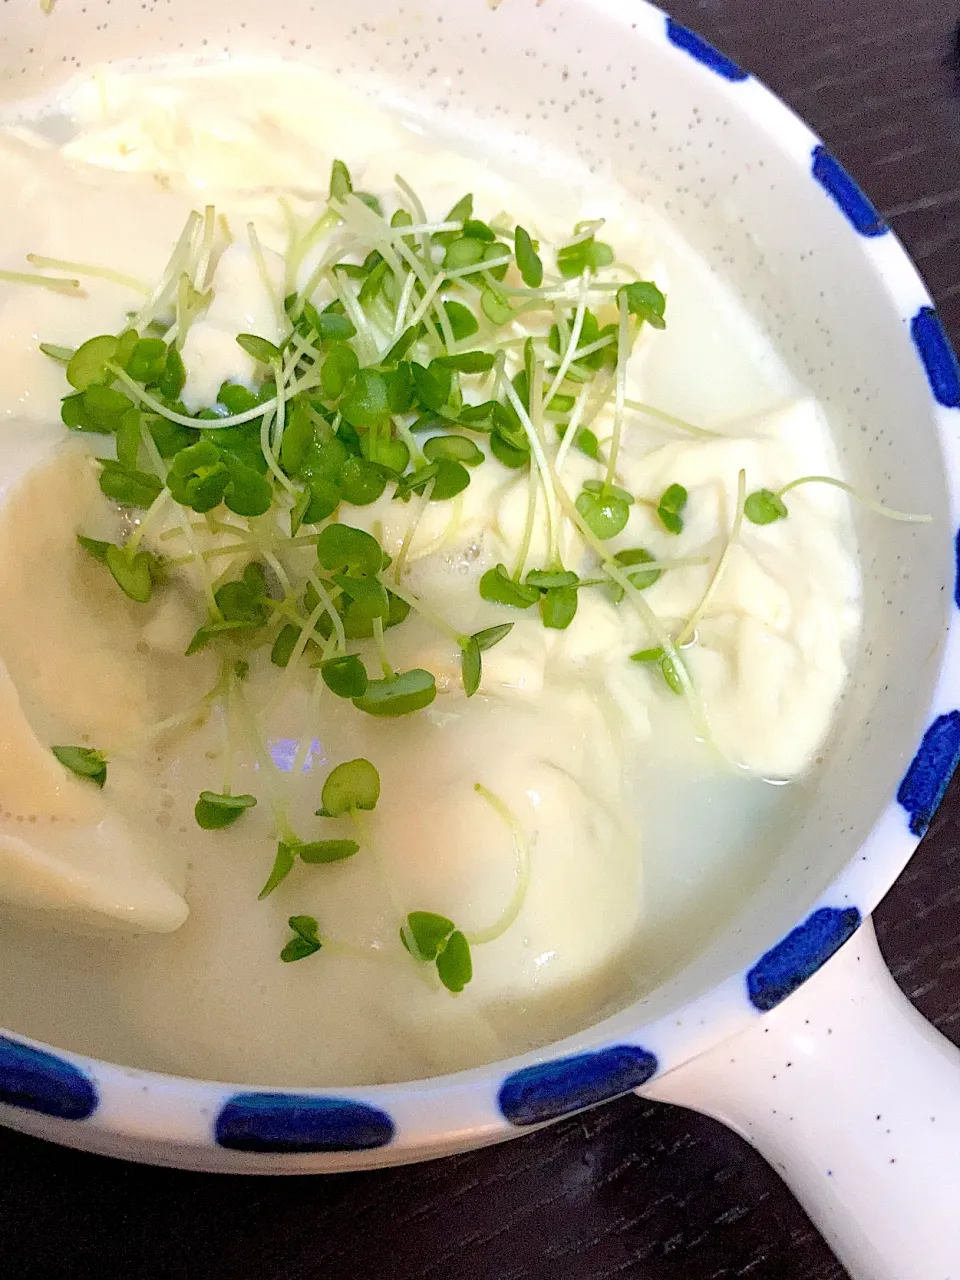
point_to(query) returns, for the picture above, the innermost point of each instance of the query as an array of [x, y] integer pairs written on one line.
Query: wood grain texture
[[633, 1190]]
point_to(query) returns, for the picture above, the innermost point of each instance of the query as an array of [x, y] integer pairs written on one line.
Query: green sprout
[[85, 762]]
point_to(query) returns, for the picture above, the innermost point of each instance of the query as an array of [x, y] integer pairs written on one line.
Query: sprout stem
[[55, 283], [522, 884], [620, 386], [879, 507], [714, 583], [85, 269]]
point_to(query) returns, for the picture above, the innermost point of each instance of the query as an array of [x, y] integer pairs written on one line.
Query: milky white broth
[[131, 934]]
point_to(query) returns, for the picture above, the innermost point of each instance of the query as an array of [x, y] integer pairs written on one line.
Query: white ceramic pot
[[847, 1091]]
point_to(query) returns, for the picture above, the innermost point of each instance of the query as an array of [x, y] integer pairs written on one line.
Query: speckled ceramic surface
[[627, 90]]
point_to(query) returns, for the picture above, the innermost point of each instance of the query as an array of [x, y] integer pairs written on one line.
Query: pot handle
[[855, 1100]]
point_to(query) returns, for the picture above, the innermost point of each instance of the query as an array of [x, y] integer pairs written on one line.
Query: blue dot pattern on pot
[[853, 204], [687, 40], [294, 1122], [799, 955], [939, 361], [547, 1090], [38, 1080], [930, 771]]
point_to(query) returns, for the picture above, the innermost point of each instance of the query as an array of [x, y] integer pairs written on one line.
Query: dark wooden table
[[633, 1189]]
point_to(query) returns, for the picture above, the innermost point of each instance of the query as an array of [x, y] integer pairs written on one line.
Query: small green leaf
[[429, 932], [365, 404], [94, 547], [378, 276], [132, 574], [282, 866], [495, 306], [62, 355], [368, 596], [148, 361], [346, 676], [353, 271], [242, 601], [71, 412], [545, 579], [129, 438], [601, 488], [506, 422], [129, 487], [490, 636], [452, 478], [604, 513], [400, 389], [126, 345], [454, 963], [306, 939], [341, 184], [456, 448], [763, 506], [85, 762], [671, 675], [468, 361], [587, 443], [170, 437], [174, 376], [102, 408], [211, 631], [671, 506], [478, 230], [355, 784], [284, 645], [88, 364], [461, 212], [498, 587], [574, 259], [641, 579], [215, 810], [398, 695], [319, 851], [334, 328], [391, 454], [462, 320], [416, 481], [247, 492], [647, 655], [401, 346], [493, 253], [198, 477], [471, 665], [339, 367], [507, 453], [561, 403], [361, 482], [430, 391], [528, 260], [298, 436], [341, 547], [319, 499], [358, 625], [558, 607], [462, 252], [666, 664], [645, 301], [477, 416]]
